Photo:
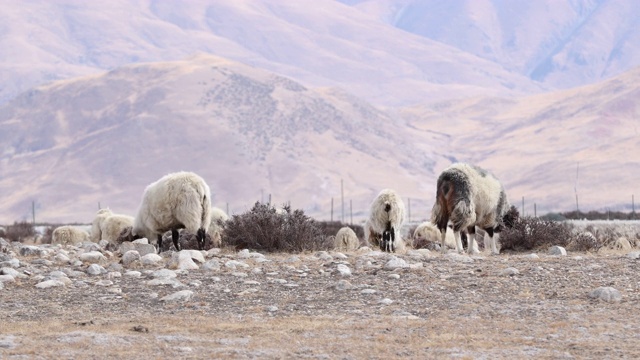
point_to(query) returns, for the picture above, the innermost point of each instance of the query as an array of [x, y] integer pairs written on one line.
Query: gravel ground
[[364, 304]]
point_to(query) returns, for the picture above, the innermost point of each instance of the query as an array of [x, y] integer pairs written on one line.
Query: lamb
[[108, 226], [346, 240], [176, 201], [427, 235], [68, 235], [385, 221], [470, 196], [218, 218]]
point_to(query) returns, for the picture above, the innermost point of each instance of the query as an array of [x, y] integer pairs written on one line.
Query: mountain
[[547, 147], [331, 45], [73, 144], [561, 44]]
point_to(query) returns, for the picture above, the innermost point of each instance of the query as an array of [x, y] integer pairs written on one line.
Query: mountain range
[[274, 98]]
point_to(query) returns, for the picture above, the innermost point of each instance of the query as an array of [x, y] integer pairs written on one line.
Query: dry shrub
[[47, 237], [530, 233], [2, 233], [264, 229], [187, 241], [585, 241], [20, 231]]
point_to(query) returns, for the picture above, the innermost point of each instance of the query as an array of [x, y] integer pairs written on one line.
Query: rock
[[634, 255], [532, 256], [49, 284], [234, 264], [343, 270], [558, 251], [340, 256], [324, 256], [89, 246], [130, 258], [368, 291], [243, 254], [293, 259], [7, 342], [607, 294], [184, 295], [95, 269], [182, 260], [62, 258], [93, 257], [13, 263], [141, 241], [343, 285], [7, 278], [104, 283], [103, 244], [211, 265], [150, 259], [29, 250], [510, 271], [395, 263], [115, 267], [142, 248], [386, 301], [394, 276], [196, 255], [271, 308], [164, 274], [454, 256], [133, 274], [13, 272], [165, 281], [239, 274]]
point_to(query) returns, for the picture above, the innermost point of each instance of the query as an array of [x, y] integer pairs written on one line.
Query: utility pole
[[409, 208], [351, 210], [227, 208], [342, 196], [331, 209], [523, 206], [33, 211]]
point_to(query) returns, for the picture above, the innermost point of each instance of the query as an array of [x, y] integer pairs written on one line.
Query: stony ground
[[83, 302]]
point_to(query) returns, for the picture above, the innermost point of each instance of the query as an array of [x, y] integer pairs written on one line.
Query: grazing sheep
[[385, 220], [218, 218], [176, 201], [346, 240], [108, 226], [187, 240], [427, 235], [69, 235], [470, 196]]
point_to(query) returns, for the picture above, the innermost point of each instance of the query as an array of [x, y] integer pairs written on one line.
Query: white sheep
[[218, 218], [177, 200], [386, 217], [470, 196], [428, 235], [108, 226], [346, 240], [69, 235]]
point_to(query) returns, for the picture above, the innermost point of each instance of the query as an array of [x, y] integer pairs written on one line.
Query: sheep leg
[[175, 236], [201, 238], [459, 247], [392, 245], [443, 236], [159, 243], [471, 244], [492, 240]]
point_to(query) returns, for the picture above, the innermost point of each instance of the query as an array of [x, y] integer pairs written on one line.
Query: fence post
[[331, 209], [535, 210], [342, 197], [351, 211], [33, 211], [523, 206]]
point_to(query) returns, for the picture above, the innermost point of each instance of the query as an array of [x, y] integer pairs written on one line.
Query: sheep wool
[[218, 218], [68, 235], [175, 201], [386, 218], [470, 196], [346, 240]]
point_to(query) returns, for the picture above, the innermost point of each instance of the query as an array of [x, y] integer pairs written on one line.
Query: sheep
[[187, 241], [346, 240], [108, 226], [386, 217], [470, 196], [68, 235], [176, 201], [427, 235], [218, 218]]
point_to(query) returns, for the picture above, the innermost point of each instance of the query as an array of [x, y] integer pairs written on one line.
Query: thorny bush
[[20, 231], [530, 233]]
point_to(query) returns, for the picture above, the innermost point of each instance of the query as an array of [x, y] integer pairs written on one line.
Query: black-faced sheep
[[68, 235], [386, 217], [176, 201], [470, 196], [346, 240]]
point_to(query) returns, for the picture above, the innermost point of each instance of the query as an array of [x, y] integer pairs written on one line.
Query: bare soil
[[444, 309]]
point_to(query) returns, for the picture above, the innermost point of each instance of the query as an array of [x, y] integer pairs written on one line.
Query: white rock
[[634, 255], [103, 244], [114, 275], [182, 261], [13, 272], [184, 295], [368, 291], [61, 258], [133, 274], [256, 255], [239, 274], [386, 301], [343, 270], [29, 250], [342, 285], [454, 256], [141, 241], [104, 283], [165, 281], [49, 284], [271, 308], [340, 256], [7, 278], [196, 255], [130, 258], [211, 265], [95, 269], [395, 263], [14, 263], [251, 282], [324, 256], [234, 264], [292, 259], [532, 256], [93, 257], [164, 274], [607, 294], [150, 259], [557, 250], [394, 276], [243, 254], [510, 271]]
